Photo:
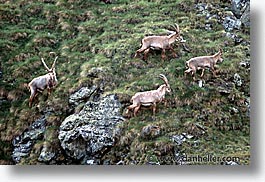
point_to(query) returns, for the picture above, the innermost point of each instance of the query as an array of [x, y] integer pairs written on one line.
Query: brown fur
[[149, 98], [159, 42], [202, 63]]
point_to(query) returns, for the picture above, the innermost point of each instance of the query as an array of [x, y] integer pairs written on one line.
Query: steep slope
[[95, 43]]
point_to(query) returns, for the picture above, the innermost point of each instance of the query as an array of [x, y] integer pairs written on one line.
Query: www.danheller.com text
[[204, 159]]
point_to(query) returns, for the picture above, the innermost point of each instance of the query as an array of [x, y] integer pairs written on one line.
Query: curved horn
[[52, 53], [46, 67], [177, 28], [54, 62], [164, 78]]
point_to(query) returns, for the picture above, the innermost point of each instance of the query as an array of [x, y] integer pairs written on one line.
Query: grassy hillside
[[89, 35]]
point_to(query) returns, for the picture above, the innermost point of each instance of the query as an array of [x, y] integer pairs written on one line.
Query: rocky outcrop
[[88, 134], [82, 95], [231, 19], [240, 16], [83, 136], [239, 7], [23, 144]]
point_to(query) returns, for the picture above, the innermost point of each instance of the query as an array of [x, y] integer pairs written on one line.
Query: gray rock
[[46, 155], [234, 110], [241, 15], [179, 139], [245, 64], [90, 162], [239, 6], [245, 18], [82, 95], [230, 23], [241, 10], [237, 80], [92, 130], [150, 131], [201, 83], [247, 103], [23, 144], [236, 6], [231, 163], [225, 88], [120, 163]]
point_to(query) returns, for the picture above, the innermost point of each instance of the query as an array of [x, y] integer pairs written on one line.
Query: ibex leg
[[173, 52], [187, 71], [136, 110], [139, 51], [154, 108], [202, 73], [163, 56], [213, 70], [193, 73], [145, 53], [31, 99]]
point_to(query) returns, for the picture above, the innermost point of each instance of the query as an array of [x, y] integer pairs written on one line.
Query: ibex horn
[[53, 65], [164, 78], [177, 27], [43, 62]]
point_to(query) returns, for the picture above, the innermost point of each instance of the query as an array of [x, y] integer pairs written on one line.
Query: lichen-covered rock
[[237, 80], [179, 139], [225, 87], [239, 7], [23, 144], [230, 23], [92, 131], [46, 155], [245, 18], [81, 95], [150, 131], [241, 15]]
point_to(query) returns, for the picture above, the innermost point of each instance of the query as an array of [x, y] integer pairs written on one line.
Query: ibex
[[150, 98], [160, 42], [39, 84], [202, 63]]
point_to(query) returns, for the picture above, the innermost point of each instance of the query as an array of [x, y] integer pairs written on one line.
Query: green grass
[[90, 34]]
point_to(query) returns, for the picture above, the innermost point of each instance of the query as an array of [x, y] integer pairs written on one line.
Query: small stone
[[237, 80], [120, 163], [90, 162], [244, 64], [150, 131], [45, 155], [200, 83], [179, 139], [231, 163]]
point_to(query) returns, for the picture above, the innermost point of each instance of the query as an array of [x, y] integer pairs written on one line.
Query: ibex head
[[51, 71], [164, 78], [219, 56], [177, 33]]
